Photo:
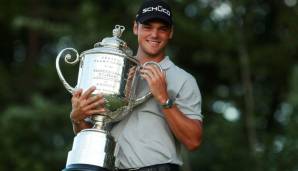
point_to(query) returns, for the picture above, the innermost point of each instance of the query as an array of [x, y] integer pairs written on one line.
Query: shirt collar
[[165, 63]]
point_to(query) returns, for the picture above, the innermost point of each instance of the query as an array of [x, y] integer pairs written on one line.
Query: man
[[150, 137]]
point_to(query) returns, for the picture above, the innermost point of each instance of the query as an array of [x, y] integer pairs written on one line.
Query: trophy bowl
[[111, 67]]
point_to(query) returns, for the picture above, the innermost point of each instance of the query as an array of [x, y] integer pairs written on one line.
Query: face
[[153, 37]]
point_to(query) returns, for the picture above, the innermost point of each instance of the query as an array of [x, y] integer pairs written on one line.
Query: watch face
[[168, 104]]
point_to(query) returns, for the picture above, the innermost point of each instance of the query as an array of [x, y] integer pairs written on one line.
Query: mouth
[[153, 43]]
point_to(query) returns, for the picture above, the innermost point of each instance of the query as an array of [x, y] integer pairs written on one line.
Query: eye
[[146, 27], [165, 29]]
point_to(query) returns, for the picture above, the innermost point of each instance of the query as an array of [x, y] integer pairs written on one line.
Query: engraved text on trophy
[[103, 71]]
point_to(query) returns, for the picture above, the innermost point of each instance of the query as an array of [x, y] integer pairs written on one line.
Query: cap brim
[[145, 19]]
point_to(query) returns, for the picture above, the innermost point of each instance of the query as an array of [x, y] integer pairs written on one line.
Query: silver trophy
[[112, 68]]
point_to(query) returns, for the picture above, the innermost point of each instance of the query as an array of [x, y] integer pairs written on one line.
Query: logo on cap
[[158, 8]]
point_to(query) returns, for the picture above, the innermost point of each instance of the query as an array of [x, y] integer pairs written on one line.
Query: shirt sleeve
[[188, 99]]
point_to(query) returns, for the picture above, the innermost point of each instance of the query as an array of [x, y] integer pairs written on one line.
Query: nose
[[154, 33]]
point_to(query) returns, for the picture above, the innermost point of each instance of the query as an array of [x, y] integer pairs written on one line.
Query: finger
[[95, 105], [155, 70], [77, 93], [75, 96], [131, 73], [147, 71], [88, 92], [164, 74], [164, 77], [132, 69], [159, 75], [93, 99], [96, 111], [146, 77]]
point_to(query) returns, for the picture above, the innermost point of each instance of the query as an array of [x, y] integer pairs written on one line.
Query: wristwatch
[[168, 104]]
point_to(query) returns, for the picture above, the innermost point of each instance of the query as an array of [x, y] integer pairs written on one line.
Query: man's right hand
[[85, 104]]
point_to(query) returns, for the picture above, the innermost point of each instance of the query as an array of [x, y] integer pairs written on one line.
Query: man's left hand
[[156, 80]]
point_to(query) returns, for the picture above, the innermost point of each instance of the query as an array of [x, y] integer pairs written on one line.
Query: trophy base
[[84, 167], [92, 150]]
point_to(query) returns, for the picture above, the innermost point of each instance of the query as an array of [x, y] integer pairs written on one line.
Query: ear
[[135, 28], [172, 32]]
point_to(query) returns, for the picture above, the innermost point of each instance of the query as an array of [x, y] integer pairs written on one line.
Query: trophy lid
[[115, 42]]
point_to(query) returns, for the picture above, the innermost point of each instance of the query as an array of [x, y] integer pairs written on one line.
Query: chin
[[152, 55]]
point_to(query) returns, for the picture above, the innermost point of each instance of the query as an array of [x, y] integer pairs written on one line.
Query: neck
[[146, 58]]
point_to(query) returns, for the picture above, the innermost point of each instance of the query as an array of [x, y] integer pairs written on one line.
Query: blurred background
[[243, 54]]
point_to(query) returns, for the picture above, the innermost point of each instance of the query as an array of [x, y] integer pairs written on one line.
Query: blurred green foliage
[[243, 54]]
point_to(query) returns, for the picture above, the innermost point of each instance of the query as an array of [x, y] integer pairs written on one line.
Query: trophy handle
[[148, 95], [67, 59]]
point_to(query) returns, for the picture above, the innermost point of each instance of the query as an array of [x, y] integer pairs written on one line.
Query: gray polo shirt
[[144, 137]]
